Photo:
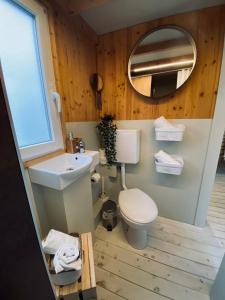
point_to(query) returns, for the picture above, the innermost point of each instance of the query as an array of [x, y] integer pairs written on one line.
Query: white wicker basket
[[173, 134], [168, 168]]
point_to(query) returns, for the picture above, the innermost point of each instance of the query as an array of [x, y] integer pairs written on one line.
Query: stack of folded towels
[[164, 158], [66, 250], [161, 156], [163, 123]]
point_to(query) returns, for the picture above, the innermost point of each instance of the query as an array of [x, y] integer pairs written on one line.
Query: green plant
[[107, 133]]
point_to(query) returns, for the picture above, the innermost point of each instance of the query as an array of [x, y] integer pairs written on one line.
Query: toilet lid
[[137, 206]]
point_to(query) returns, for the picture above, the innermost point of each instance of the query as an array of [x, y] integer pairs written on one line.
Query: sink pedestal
[[70, 210]]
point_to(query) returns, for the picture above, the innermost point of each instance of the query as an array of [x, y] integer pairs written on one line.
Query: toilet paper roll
[[95, 177]]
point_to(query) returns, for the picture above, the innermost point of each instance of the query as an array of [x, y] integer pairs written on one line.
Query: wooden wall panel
[[74, 57], [195, 100]]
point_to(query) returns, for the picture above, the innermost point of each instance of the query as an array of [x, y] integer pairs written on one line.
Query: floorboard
[[180, 262], [117, 238], [104, 294], [216, 212]]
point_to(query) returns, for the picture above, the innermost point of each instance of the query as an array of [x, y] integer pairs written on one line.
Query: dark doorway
[[163, 84], [221, 162]]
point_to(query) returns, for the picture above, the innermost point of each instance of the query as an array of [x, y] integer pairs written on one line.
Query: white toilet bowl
[[138, 211]]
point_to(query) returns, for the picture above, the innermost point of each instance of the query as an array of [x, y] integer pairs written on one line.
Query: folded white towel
[[68, 253], [163, 157], [56, 239], [161, 122], [66, 258]]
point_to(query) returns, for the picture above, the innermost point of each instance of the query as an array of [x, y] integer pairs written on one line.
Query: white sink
[[62, 170], [95, 158]]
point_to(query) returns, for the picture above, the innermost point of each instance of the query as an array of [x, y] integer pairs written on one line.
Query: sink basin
[[60, 171], [95, 158]]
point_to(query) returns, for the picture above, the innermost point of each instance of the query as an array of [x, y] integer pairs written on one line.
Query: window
[[25, 55]]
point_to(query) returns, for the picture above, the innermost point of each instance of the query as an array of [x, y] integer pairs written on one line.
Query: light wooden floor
[[216, 213], [180, 262]]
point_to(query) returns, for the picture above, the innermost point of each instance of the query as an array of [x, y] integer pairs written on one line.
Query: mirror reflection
[[162, 61]]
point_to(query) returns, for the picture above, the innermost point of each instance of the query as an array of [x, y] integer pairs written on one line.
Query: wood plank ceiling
[[78, 6]]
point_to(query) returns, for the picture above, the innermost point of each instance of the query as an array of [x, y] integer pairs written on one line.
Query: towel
[[163, 123], [56, 239], [67, 258], [163, 157]]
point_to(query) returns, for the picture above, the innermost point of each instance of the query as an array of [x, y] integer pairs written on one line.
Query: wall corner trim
[[213, 152]]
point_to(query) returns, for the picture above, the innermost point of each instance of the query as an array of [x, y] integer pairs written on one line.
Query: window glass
[[22, 72]]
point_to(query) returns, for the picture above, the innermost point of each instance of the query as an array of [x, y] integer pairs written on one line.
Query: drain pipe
[[123, 176], [103, 195]]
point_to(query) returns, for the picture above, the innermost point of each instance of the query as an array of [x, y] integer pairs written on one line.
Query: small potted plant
[[107, 134]]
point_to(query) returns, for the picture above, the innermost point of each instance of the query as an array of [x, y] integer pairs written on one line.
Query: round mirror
[[162, 61]]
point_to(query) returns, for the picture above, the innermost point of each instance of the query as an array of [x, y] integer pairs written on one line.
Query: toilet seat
[[137, 206]]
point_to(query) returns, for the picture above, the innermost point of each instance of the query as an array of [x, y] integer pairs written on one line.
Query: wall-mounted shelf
[[175, 134], [171, 169]]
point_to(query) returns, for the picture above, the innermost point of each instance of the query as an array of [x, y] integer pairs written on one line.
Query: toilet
[[137, 209]]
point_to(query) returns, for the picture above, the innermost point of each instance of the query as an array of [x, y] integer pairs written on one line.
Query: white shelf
[[169, 168], [175, 134]]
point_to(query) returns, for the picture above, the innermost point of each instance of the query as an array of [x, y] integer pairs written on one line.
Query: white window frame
[[43, 37]]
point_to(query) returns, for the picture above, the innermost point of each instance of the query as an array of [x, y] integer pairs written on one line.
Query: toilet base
[[137, 238]]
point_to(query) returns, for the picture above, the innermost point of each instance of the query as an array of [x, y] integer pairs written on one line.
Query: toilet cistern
[[126, 137]]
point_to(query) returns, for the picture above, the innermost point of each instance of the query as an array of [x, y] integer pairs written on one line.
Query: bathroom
[[79, 43]]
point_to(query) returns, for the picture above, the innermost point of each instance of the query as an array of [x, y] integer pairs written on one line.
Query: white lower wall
[[41, 210], [85, 130], [176, 196], [37, 206]]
